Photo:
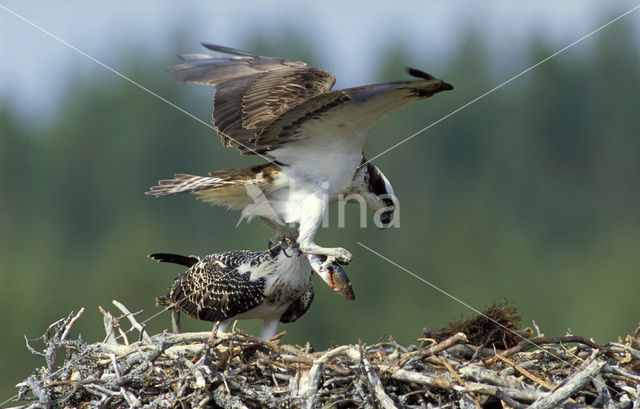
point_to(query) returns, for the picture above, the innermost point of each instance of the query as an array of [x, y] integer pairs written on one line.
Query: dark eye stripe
[[376, 181]]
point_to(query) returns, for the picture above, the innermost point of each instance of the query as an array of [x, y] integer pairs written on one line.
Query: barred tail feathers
[[182, 183], [223, 187], [186, 261], [165, 302], [217, 190]]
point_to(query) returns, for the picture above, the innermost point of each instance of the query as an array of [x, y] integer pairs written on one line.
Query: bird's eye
[[385, 217]]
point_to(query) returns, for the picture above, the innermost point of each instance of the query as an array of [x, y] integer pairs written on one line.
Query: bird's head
[[285, 245], [372, 188]]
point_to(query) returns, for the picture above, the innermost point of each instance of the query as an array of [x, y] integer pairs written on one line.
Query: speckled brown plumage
[[210, 292], [252, 91], [298, 307]]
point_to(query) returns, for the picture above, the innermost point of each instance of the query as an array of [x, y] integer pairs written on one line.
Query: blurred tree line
[[531, 194]]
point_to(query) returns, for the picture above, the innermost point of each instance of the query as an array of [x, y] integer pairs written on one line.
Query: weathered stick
[[508, 401], [70, 324], [604, 397], [227, 400], [444, 383], [376, 386], [310, 382], [573, 384], [132, 319], [200, 381], [109, 326], [526, 373], [460, 381], [526, 344], [433, 349], [518, 394], [455, 339], [483, 375], [620, 371], [410, 376]]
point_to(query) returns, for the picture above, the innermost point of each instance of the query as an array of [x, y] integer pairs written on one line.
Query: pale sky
[[347, 36]]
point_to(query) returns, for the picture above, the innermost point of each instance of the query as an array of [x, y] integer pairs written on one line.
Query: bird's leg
[[175, 321], [269, 328], [310, 221], [282, 232], [219, 327], [341, 255], [224, 325]]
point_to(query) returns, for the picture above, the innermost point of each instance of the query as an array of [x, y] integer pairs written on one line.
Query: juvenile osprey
[[285, 110], [273, 285]]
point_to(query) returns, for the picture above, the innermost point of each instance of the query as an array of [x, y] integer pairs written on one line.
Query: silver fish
[[332, 274]]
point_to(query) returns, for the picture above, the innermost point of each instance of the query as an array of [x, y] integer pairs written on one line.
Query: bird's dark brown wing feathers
[[212, 290], [364, 110], [264, 104], [298, 307], [251, 90], [339, 121]]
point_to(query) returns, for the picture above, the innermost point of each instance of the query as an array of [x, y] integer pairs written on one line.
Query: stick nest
[[471, 364]]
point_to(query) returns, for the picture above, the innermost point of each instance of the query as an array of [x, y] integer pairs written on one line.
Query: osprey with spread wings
[[285, 111]]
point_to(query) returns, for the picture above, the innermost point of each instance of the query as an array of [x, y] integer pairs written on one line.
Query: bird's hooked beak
[[284, 251], [385, 219]]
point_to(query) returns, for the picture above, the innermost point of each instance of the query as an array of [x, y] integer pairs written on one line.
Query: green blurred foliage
[[531, 194]]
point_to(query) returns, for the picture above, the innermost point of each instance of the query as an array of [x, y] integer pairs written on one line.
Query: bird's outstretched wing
[[251, 90], [327, 128], [285, 109]]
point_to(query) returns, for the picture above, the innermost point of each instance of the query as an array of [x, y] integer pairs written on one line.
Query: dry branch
[[575, 383]]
